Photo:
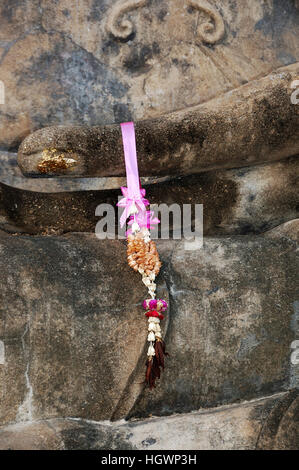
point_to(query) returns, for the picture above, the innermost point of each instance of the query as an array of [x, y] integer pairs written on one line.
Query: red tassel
[[160, 352], [149, 365], [153, 365], [152, 372]]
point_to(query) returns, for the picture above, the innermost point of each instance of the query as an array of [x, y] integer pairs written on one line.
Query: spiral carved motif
[[122, 29], [209, 32]]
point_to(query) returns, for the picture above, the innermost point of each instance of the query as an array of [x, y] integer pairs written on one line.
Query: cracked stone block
[[232, 323], [73, 330], [75, 333], [268, 423]]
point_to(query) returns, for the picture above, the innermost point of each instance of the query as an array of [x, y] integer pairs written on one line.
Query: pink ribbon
[[128, 200], [144, 219], [133, 194]]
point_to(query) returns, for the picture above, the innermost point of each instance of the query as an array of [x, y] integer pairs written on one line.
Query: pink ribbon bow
[[129, 200]]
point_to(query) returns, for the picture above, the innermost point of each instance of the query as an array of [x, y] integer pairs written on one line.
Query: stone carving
[[208, 32], [260, 114], [120, 78], [238, 294], [125, 27]]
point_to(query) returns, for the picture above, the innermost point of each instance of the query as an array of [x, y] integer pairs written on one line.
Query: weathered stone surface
[[232, 322], [63, 434], [74, 333], [238, 201], [288, 230], [62, 63], [11, 175], [39, 435], [208, 81], [281, 430], [252, 124], [225, 428], [72, 327]]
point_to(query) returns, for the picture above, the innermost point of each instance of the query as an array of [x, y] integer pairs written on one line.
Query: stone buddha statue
[[213, 90]]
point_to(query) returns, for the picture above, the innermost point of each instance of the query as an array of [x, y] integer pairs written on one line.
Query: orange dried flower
[[143, 255]]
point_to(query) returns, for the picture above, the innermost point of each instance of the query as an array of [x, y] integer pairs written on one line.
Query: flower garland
[[142, 252]]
